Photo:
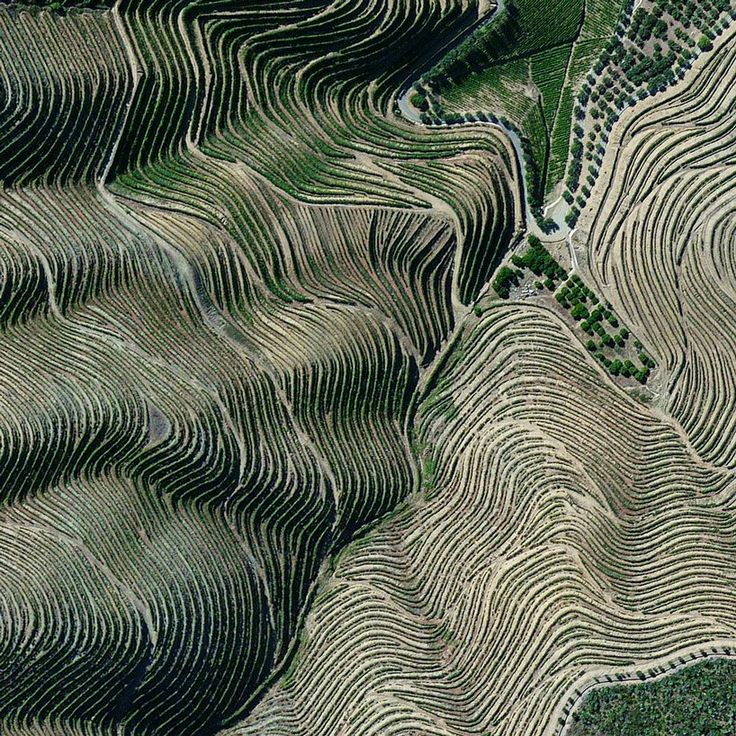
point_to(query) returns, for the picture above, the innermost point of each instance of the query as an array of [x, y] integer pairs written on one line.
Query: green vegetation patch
[[699, 700], [607, 339], [536, 259], [519, 68]]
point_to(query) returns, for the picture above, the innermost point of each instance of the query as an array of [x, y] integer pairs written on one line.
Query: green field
[[525, 66], [700, 699]]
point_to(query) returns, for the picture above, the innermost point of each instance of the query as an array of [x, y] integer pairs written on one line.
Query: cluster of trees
[[625, 72], [627, 369], [686, 11], [618, 367], [574, 293], [704, 14], [574, 296], [646, 25], [419, 101], [656, 71], [700, 699], [505, 278], [594, 323], [572, 216], [646, 360], [538, 260]]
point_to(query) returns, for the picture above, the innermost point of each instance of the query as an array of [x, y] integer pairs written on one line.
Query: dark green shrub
[[505, 278], [579, 312]]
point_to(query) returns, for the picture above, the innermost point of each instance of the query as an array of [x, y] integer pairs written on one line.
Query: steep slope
[[564, 533], [273, 462], [213, 320], [659, 236]]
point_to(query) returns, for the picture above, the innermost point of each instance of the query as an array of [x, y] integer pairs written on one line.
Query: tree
[[503, 281], [518, 261], [419, 101], [579, 312]]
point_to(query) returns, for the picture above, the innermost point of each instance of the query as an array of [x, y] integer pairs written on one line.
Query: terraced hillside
[[278, 455], [675, 156], [558, 75], [657, 43], [221, 302]]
